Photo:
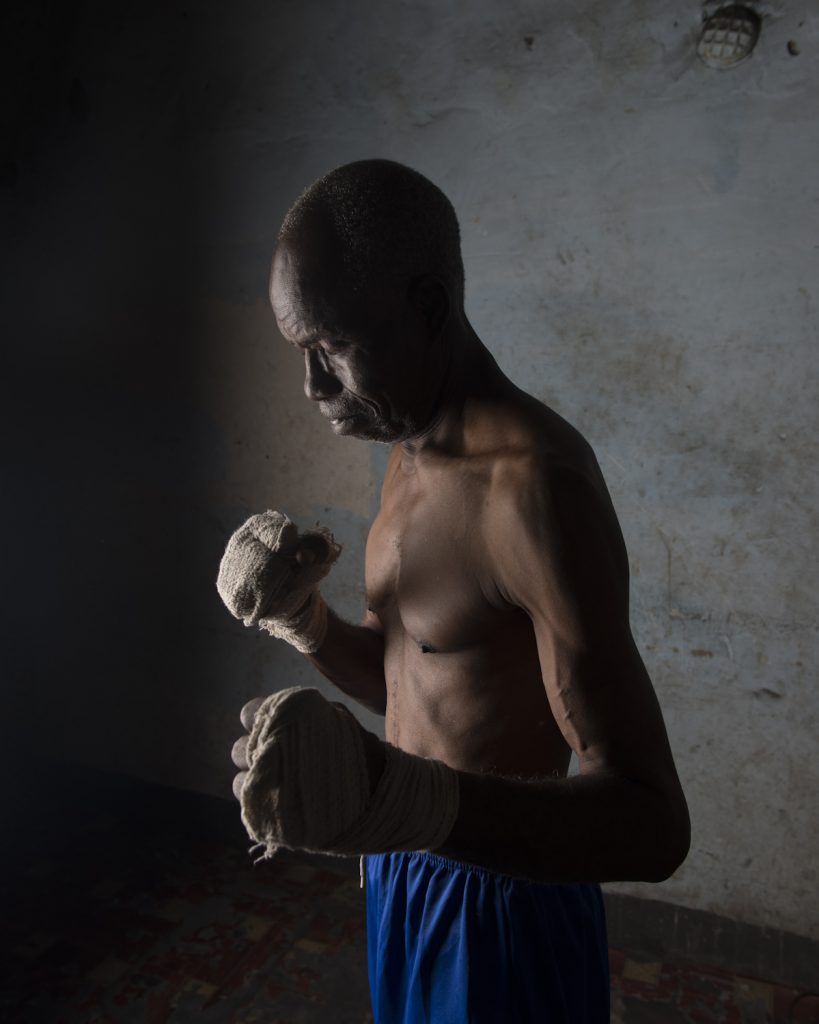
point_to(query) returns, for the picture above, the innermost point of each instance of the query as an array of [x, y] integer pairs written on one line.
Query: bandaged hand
[[269, 576], [306, 784]]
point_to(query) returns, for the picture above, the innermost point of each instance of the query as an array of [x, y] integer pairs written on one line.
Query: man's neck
[[470, 373]]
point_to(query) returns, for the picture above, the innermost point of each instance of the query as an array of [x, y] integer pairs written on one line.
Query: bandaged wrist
[[305, 629], [307, 786]]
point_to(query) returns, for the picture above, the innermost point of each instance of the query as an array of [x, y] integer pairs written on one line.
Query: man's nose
[[318, 383]]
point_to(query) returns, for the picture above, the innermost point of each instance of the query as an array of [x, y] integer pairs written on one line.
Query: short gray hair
[[391, 222]]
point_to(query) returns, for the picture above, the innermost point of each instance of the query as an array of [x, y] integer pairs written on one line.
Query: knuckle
[[238, 752], [248, 712]]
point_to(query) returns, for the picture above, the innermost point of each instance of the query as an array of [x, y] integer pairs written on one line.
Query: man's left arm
[[561, 558]]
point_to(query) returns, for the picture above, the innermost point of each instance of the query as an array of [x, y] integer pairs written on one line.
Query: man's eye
[[334, 347]]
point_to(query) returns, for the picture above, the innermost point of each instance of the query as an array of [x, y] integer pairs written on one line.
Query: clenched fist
[[269, 575], [312, 778]]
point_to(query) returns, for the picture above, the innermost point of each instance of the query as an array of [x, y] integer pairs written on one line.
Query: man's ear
[[430, 297]]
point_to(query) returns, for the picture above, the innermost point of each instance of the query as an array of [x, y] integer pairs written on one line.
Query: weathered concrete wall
[[641, 253]]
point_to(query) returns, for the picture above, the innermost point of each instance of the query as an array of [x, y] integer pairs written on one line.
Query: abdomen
[[482, 709]]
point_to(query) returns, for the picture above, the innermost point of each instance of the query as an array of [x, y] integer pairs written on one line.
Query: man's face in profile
[[365, 352]]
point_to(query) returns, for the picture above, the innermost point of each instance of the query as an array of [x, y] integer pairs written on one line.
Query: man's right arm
[[352, 658]]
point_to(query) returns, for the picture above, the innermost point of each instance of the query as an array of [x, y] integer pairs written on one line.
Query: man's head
[[367, 271]]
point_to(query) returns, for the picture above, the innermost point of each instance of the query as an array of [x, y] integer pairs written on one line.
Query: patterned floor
[[647, 992], [138, 905]]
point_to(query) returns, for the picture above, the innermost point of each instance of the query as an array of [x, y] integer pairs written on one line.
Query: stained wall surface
[[639, 235]]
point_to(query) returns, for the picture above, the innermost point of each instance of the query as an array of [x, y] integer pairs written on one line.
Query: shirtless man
[[496, 639]]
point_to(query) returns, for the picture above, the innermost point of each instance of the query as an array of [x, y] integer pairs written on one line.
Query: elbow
[[663, 866], [672, 840]]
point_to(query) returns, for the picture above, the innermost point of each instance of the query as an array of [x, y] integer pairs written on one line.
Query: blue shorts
[[450, 943]]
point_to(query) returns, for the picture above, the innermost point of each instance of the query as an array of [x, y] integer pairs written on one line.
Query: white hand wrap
[[307, 786], [261, 581]]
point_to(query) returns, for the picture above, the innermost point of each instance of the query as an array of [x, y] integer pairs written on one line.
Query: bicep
[[569, 572]]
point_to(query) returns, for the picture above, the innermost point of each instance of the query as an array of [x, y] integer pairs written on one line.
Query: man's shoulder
[[541, 450], [548, 493], [548, 483]]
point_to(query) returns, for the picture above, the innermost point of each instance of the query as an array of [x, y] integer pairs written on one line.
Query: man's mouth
[[339, 415], [367, 411]]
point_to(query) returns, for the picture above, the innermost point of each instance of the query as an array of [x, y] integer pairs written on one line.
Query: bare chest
[[428, 570], [463, 677]]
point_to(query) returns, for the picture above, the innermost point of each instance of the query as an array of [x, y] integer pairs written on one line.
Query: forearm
[[589, 828], [352, 658]]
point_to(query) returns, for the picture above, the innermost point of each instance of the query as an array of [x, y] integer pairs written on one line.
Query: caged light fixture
[[728, 36]]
